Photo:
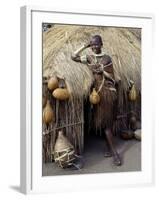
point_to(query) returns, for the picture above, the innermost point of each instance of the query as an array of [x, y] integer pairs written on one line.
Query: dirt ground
[[95, 162]]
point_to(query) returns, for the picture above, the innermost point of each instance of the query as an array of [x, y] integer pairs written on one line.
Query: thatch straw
[[59, 42], [120, 43]]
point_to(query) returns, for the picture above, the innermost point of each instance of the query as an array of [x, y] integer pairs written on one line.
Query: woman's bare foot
[[117, 160]]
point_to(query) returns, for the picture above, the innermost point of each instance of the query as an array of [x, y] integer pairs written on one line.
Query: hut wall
[[69, 118]]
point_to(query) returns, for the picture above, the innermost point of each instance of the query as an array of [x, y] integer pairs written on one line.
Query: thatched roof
[[122, 44]]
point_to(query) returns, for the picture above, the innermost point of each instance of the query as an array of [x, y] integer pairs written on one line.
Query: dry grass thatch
[[59, 42], [122, 44]]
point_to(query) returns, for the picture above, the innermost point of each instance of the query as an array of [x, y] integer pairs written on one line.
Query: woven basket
[[64, 152]]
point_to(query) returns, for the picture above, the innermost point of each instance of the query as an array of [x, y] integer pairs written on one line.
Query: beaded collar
[[99, 55]]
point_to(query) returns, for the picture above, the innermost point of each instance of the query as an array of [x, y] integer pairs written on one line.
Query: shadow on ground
[[95, 162]]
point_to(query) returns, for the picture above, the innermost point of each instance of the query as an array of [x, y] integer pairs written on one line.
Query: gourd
[[127, 134], [138, 134], [52, 83], [61, 94], [94, 97], [48, 114], [133, 93]]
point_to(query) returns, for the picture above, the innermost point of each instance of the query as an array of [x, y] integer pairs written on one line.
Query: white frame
[[31, 55]]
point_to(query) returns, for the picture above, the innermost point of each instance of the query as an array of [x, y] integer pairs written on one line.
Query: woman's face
[[96, 48]]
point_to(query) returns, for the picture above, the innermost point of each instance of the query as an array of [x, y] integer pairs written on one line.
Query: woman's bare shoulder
[[106, 59]]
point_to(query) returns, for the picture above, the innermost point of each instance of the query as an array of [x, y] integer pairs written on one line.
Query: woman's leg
[[109, 138], [108, 152]]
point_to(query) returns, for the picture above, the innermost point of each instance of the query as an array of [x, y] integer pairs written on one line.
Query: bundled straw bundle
[[64, 152]]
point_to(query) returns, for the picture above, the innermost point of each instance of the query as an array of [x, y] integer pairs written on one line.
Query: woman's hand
[[97, 69], [87, 45]]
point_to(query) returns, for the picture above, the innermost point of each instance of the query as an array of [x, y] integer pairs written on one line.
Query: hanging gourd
[[133, 93], [64, 152], [94, 97], [61, 94], [52, 83], [48, 114]]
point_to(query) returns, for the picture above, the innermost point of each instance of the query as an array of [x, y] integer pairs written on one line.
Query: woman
[[104, 83]]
